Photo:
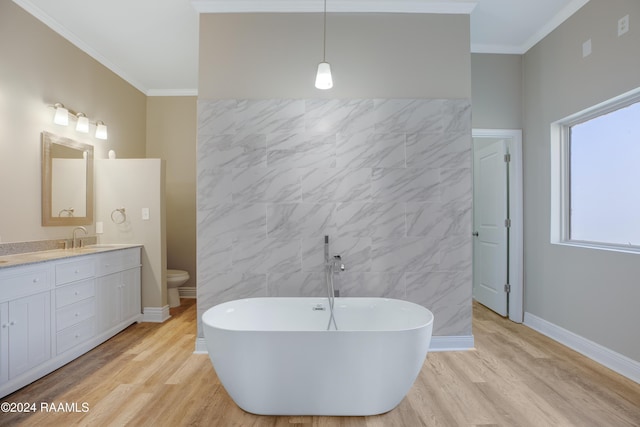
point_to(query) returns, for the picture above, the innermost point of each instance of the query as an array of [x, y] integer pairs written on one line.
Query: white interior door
[[490, 247]]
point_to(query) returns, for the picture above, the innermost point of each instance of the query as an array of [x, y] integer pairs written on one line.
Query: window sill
[[600, 246]]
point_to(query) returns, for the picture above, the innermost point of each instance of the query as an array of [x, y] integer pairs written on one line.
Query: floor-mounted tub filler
[[275, 356]]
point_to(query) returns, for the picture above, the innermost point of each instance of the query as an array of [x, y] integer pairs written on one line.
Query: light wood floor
[[148, 376]]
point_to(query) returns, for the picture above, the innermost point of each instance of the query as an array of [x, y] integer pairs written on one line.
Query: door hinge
[[507, 158], [507, 288], [507, 222]]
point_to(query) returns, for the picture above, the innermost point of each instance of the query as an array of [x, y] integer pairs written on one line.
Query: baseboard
[[187, 291], [155, 314], [451, 343], [615, 361], [454, 343], [201, 346]]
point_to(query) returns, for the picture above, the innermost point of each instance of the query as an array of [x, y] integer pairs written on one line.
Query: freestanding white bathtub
[[274, 356]]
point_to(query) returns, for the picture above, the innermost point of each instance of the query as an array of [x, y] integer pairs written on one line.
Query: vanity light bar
[[62, 114]]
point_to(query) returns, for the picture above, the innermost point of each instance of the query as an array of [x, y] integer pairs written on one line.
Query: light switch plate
[[586, 48], [145, 214]]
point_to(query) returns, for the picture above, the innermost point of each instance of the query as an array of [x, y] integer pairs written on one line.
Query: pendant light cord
[[324, 37]]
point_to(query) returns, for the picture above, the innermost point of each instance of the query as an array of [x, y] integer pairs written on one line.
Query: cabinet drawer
[[75, 335], [112, 262], [74, 313], [14, 284], [75, 270], [75, 292]]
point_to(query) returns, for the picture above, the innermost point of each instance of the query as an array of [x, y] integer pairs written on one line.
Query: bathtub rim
[[220, 306]]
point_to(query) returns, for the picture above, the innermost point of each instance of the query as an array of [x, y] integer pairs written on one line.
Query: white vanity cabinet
[[29, 336], [118, 285], [52, 312], [75, 302], [25, 307], [25, 334]]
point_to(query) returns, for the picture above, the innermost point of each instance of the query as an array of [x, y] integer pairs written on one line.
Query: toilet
[[175, 278]]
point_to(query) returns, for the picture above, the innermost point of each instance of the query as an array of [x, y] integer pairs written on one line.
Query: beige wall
[[136, 184], [37, 69], [43, 68], [171, 135], [267, 56], [496, 91], [592, 293]]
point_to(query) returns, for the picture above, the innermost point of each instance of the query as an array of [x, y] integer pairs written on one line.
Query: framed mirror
[[67, 181]]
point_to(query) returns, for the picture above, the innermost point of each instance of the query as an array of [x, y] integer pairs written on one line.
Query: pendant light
[[323, 77]]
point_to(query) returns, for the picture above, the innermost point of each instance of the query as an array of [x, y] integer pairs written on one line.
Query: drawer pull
[[76, 293], [36, 280], [77, 336], [4, 325], [77, 314], [77, 271], [12, 323]]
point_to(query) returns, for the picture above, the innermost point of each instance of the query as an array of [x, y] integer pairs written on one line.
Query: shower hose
[[330, 290]]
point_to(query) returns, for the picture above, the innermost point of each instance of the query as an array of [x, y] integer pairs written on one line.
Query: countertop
[[44, 256]]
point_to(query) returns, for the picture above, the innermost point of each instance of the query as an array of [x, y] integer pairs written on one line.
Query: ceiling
[[155, 48]]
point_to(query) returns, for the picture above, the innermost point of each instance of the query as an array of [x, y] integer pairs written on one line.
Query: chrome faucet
[[73, 243], [335, 264]]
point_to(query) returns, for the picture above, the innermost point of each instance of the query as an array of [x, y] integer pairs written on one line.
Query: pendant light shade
[[323, 78]]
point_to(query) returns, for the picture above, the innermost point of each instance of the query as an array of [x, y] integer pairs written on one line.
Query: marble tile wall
[[389, 180]]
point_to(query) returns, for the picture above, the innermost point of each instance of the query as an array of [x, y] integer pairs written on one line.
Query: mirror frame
[[48, 139]]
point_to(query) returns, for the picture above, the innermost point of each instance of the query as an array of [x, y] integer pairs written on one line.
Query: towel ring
[[66, 212], [123, 216]]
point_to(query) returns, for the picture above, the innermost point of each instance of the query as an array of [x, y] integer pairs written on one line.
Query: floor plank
[[149, 376]]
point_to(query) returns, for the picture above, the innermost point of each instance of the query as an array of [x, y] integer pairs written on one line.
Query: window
[[598, 161]]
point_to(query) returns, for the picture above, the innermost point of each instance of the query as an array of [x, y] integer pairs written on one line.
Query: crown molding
[[554, 23], [497, 48], [543, 32], [172, 92], [358, 6]]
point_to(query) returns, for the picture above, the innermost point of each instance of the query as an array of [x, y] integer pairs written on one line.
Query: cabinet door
[[130, 293], [109, 308], [29, 332], [4, 343]]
